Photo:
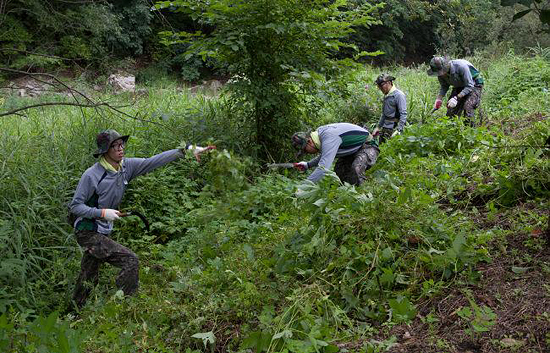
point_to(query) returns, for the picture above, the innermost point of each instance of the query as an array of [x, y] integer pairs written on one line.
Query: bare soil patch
[[515, 285]]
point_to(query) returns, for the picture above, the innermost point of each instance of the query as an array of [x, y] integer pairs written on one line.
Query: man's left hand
[[452, 102], [197, 151]]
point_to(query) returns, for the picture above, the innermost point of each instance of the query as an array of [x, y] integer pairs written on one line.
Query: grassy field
[[443, 249]]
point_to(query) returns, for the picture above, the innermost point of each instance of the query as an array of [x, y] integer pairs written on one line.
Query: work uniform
[[354, 147], [102, 187], [394, 113], [467, 87]]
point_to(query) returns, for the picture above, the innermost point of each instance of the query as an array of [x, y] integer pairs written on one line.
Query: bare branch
[[14, 111], [33, 53], [89, 103]]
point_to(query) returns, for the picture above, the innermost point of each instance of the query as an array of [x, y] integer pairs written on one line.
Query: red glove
[[437, 104]]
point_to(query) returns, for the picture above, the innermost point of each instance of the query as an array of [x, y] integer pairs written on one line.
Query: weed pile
[[243, 260]]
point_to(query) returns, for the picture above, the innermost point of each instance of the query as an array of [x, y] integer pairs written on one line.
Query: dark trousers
[[352, 168], [99, 248], [467, 105]]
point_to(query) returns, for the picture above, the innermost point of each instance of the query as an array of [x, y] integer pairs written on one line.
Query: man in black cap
[[394, 110], [94, 208], [467, 86], [353, 146]]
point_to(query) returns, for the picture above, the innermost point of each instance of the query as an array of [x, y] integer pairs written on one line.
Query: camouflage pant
[[99, 248], [352, 168], [466, 105], [385, 134]]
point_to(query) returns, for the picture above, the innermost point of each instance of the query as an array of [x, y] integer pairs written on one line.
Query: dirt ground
[[515, 286]]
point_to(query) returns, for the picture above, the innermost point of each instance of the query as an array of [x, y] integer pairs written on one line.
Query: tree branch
[[33, 53], [14, 111]]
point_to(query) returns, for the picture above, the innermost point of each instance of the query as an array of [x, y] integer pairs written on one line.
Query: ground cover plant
[[443, 249]]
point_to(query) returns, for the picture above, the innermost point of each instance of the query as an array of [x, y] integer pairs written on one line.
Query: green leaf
[[404, 196], [402, 309], [285, 334], [519, 270], [520, 14], [387, 254], [249, 252], [207, 337], [458, 243]]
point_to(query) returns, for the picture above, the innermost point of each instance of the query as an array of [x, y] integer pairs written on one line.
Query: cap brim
[[437, 73], [98, 152]]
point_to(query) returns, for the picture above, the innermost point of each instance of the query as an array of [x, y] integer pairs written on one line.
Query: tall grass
[[42, 157]]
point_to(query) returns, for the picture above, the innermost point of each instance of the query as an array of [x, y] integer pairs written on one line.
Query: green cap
[[299, 142], [439, 66], [383, 78], [104, 140]]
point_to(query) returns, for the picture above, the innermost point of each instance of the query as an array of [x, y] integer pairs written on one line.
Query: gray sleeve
[[314, 162], [443, 87], [140, 166], [328, 153], [467, 80], [402, 109], [381, 121], [83, 193]]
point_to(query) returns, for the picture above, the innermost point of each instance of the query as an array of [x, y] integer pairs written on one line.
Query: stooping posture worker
[[394, 109], [353, 145], [95, 205], [467, 86]]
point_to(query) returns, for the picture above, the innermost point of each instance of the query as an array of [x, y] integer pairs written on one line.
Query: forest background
[[237, 258]]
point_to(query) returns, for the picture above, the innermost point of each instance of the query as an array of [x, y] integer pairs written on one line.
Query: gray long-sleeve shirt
[[460, 76], [337, 140], [394, 110], [112, 186]]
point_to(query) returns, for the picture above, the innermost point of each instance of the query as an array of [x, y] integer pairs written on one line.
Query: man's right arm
[[328, 153]]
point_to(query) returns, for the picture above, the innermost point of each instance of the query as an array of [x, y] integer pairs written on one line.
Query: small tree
[[274, 50]]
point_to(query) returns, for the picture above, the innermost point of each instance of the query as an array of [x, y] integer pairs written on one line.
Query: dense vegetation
[[113, 34], [240, 259]]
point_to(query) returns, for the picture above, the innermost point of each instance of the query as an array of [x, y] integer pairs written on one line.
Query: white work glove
[[109, 214], [375, 132], [301, 166], [452, 102], [437, 104], [198, 150], [395, 133]]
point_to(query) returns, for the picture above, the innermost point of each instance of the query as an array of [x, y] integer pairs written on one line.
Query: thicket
[[239, 259], [108, 34]]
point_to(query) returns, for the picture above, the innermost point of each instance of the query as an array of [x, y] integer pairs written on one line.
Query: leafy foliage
[[274, 51], [97, 31], [541, 8], [242, 259]]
